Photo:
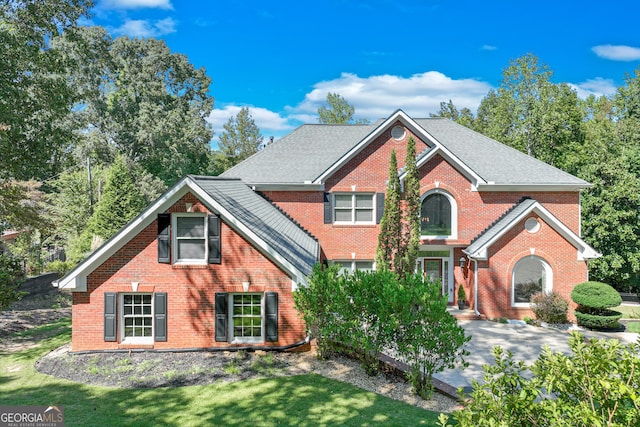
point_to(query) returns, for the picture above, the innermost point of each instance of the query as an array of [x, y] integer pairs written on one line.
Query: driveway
[[524, 341]]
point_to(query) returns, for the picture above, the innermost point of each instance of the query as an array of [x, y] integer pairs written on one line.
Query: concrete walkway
[[524, 341]]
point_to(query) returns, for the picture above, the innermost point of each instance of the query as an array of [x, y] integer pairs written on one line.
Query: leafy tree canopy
[[339, 111], [241, 138]]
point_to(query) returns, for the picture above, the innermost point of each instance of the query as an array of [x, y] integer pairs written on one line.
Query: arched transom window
[[530, 275], [438, 215]]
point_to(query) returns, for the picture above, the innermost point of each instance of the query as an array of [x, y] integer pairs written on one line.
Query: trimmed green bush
[[594, 300], [550, 307], [595, 295], [598, 319]]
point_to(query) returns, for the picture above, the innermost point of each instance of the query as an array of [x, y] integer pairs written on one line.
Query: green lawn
[[303, 400], [628, 311]]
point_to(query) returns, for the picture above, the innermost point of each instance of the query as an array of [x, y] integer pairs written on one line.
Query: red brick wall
[[369, 171], [190, 290], [494, 276]]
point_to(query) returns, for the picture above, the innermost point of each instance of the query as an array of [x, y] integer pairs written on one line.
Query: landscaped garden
[[304, 400]]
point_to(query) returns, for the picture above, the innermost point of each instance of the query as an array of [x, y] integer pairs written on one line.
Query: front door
[[437, 270]]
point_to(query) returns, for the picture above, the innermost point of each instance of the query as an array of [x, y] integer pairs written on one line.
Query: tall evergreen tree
[[121, 200], [241, 137], [411, 216], [388, 252]]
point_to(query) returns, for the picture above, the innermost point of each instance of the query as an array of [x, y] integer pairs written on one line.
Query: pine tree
[[121, 201], [388, 252]]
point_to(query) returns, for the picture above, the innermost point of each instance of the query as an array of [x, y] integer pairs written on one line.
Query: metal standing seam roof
[[500, 225], [307, 152], [264, 219]]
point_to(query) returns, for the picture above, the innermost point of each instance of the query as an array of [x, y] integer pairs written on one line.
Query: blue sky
[[281, 58]]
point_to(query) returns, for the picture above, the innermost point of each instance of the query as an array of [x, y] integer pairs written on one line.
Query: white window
[[348, 267], [246, 318], [354, 208], [438, 215], [137, 318], [530, 275], [190, 238]]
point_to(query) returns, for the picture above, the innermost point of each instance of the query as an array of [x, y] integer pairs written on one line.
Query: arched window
[[438, 215], [530, 275]]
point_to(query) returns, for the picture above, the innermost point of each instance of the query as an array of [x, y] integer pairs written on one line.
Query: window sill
[[344, 225], [247, 341], [129, 342], [186, 266]]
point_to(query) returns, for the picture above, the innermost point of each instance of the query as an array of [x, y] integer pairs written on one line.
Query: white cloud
[[617, 52], [269, 122], [378, 96], [136, 4], [144, 28], [597, 87], [488, 47]]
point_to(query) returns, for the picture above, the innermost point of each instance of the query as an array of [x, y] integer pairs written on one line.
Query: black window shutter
[[222, 331], [110, 304], [215, 252], [328, 209], [379, 207], [271, 316], [164, 238], [160, 316]]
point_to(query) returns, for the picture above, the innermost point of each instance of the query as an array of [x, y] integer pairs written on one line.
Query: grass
[[302, 400], [633, 327], [628, 311]]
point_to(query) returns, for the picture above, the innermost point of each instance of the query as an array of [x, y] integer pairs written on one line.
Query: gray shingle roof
[[492, 160], [264, 219], [500, 225], [300, 156], [307, 152]]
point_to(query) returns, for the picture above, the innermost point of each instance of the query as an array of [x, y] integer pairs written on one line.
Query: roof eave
[[571, 187], [270, 186]]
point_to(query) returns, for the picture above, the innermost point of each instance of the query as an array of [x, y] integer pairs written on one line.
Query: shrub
[[595, 385], [10, 279], [594, 299], [598, 319], [368, 312], [462, 296], [60, 267], [595, 295], [550, 307]]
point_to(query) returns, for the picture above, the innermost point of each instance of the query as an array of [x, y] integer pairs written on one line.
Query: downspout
[[475, 287]]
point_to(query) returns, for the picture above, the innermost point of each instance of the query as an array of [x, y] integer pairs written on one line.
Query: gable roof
[[479, 247], [249, 214], [312, 153]]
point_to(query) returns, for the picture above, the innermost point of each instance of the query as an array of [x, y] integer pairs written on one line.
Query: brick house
[[214, 261]]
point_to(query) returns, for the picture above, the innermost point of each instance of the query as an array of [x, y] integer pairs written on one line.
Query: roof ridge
[[283, 212], [500, 218]]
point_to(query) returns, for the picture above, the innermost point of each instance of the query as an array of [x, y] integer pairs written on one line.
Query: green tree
[[389, 252], [121, 200], [339, 111], [10, 280], [449, 111], [137, 98], [411, 215], [532, 114], [241, 138], [35, 94]]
